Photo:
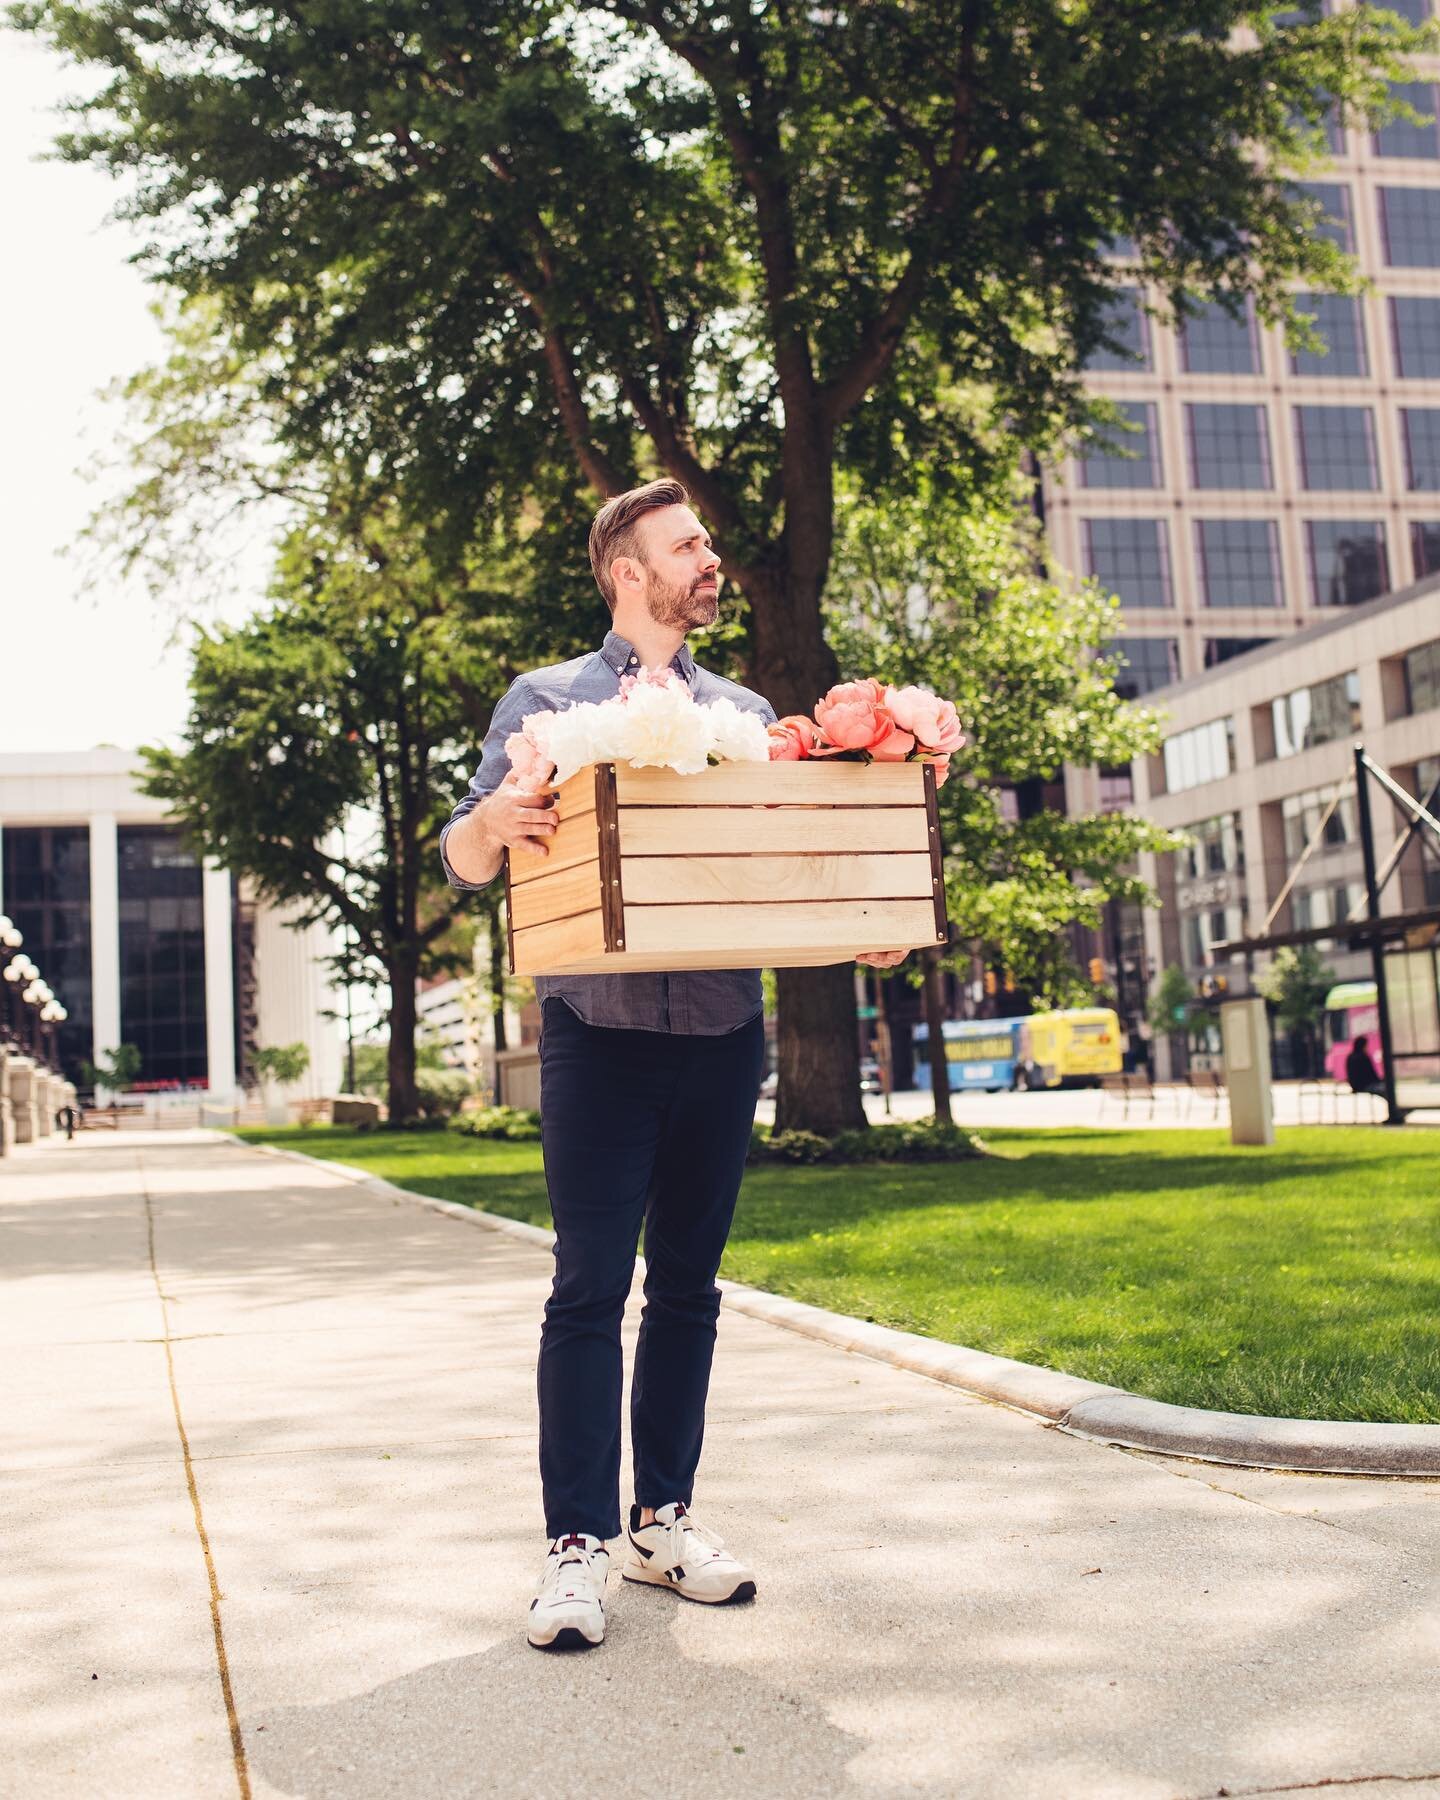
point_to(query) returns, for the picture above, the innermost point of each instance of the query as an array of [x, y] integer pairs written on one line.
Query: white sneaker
[[568, 1611], [678, 1554]]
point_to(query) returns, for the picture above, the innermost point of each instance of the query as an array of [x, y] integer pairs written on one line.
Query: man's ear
[[625, 570]]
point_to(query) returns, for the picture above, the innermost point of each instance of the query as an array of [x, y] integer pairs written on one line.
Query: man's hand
[[513, 817], [882, 959]]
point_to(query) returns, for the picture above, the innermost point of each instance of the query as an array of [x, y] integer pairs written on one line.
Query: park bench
[[1133, 1085], [1208, 1083]]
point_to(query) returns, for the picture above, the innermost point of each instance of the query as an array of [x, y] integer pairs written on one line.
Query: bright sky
[[82, 668]]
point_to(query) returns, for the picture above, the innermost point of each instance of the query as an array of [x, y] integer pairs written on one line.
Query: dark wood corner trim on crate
[[509, 913], [607, 820], [937, 855]]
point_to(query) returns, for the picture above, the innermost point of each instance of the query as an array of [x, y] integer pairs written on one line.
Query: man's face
[[681, 570]]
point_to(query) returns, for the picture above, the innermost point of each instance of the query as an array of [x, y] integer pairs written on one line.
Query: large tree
[[737, 243], [355, 690]]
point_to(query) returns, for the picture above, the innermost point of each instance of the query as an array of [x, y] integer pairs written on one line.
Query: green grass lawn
[[1302, 1279]]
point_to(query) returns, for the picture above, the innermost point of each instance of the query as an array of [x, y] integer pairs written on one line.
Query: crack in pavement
[[1312, 1787]]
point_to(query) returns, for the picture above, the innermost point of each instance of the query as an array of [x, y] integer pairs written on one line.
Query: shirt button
[[632, 662]]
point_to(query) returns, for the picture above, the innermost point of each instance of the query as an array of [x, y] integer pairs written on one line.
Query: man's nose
[[710, 562]]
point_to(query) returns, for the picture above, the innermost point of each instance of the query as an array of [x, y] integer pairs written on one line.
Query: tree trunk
[[401, 1093], [818, 1052], [818, 1055], [935, 1030]]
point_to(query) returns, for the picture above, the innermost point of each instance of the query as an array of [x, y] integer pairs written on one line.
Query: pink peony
[[529, 764], [853, 716], [942, 768], [665, 677], [933, 722], [792, 739]]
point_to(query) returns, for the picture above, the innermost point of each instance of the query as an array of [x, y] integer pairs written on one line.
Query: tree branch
[[880, 338]]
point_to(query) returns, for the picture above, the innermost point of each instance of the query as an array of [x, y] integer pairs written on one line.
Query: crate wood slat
[[660, 880], [745, 865], [694, 933], [817, 783], [562, 894], [666, 962], [791, 830], [575, 840], [561, 944]]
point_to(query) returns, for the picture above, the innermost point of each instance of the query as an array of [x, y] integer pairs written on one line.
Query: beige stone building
[[1255, 754]]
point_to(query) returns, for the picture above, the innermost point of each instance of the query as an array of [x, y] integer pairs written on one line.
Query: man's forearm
[[475, 853]]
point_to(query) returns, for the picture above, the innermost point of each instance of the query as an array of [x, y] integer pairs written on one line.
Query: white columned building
[[142, 944]]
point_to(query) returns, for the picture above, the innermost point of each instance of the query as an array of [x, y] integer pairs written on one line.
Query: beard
[[682, 607]]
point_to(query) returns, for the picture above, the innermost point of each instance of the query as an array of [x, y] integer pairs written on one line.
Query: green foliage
[[1295, 983], [442, 1092], [1171, 1001], [950, 593], [516, 1123], [906, 1141], [281, 1062], [119, 1071]]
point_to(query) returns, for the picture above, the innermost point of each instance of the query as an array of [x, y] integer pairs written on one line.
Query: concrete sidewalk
[[955, 1601]]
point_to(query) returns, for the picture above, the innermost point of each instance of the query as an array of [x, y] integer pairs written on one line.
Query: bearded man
[[648, 1085]]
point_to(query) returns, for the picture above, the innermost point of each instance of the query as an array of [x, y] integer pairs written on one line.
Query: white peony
[[736, 735], [664, 728], [589, 732]]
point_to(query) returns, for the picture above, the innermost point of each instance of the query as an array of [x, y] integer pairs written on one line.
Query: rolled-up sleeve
[[514, 706]]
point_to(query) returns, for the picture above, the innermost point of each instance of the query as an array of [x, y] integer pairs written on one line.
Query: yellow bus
[[1078, 1046]]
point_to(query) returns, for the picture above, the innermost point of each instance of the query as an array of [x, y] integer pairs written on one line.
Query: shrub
[[905, 1141], [514, 1122], [441, 1091]]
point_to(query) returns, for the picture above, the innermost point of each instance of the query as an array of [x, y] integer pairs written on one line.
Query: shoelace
[[573, 1557], [677, 1531]]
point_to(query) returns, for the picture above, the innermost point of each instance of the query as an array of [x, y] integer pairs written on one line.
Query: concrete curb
[[1083, 1409]]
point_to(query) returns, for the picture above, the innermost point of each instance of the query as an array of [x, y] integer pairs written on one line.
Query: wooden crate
[[744, 865]]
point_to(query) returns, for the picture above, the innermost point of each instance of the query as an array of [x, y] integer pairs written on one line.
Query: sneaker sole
[[744, 1590], [569, 1637]]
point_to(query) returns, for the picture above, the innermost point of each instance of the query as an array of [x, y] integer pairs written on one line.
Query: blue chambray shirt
[[694, 1002]]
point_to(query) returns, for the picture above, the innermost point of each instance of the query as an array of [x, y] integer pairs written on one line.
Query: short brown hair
[[613, 533]]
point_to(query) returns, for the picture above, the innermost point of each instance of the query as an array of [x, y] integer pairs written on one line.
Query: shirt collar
[[624, 659]]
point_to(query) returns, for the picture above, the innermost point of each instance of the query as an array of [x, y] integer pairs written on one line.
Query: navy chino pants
[[638, 1127]]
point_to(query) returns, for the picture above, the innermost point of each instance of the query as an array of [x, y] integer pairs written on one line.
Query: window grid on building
[[1335, 221], [1301, 815], [1128, 459], [1215, 342], [1415, 335], [1336, 449], [1127, 324], [1223, 650], [1143, 664], [45, 877], [1422, 678], [1346, 561], [1238, 562], [1410, 227], [1402, 137], [1229, 446], [1420, 430], [1339, 322], [1318, 714], [1203, 753], [1216, 847], [1129, 557], [162, 956], [1425, 547]]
